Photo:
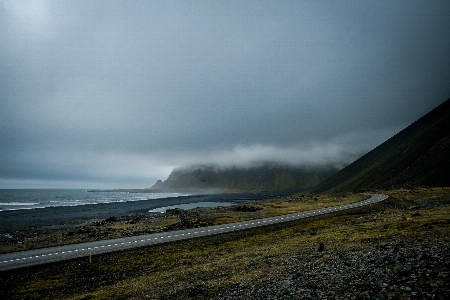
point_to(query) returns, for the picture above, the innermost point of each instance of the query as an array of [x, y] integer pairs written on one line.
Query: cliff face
[[418, 156], [267, 176]]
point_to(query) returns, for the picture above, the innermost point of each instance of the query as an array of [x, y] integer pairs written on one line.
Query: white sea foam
[[20, 199], [19, 203]]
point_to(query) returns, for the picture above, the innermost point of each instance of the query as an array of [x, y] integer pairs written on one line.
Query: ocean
[[16, 199], [31, 208]]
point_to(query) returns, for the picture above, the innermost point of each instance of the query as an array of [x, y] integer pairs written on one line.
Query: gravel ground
[[416, 270], [395, 269]]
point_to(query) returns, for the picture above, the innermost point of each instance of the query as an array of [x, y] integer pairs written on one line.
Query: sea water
[[41, 198]]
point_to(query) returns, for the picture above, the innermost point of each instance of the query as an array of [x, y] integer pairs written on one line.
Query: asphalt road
[[16, 260]]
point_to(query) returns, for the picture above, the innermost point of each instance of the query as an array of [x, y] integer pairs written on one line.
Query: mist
[[113, 94]]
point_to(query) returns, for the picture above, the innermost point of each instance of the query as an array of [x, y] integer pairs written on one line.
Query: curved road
[[16, 260]]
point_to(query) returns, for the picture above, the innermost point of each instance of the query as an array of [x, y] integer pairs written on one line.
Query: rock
[[181, 213], [378, 272], [400, 219], [421, 256], [364, 295], [111, 220], [245, 208], [412, 207], [408, 267], [301, 282], [398, 258], [197, 291], [251, 263], [183, 224], [394, 250], [320, 247]]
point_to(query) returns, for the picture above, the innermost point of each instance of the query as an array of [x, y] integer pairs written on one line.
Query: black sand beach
[[23, 219]]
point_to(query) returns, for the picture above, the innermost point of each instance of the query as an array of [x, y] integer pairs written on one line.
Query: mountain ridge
[[416, 156], [258, 177]]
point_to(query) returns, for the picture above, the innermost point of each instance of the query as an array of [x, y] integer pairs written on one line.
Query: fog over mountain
[[267, 176], [117, 94]]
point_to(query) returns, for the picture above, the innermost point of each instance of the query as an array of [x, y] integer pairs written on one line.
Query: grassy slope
[[222, 260]]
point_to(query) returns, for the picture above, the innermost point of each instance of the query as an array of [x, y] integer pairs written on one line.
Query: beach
[[64, 215], [61, 225]]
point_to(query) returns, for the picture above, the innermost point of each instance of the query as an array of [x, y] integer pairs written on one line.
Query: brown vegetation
[[205, 267]]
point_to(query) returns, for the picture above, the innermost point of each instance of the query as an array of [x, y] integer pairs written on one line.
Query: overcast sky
[[115, 94]]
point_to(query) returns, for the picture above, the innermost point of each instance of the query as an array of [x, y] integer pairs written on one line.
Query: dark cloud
[[107, 94]]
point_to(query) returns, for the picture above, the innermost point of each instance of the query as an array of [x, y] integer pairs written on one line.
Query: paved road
[[28, 258]]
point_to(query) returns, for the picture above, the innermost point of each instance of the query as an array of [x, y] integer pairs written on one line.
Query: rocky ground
[[397, 269]]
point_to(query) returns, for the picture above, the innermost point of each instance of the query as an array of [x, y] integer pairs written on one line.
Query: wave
[[20, 199]]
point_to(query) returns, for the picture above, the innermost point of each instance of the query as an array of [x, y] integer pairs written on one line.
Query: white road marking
[[376, 198]]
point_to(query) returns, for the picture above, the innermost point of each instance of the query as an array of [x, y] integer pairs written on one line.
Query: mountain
[[264, 176], [418, 156]]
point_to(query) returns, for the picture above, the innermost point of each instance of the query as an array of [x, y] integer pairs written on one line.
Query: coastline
[[395, 249], [60, 215]]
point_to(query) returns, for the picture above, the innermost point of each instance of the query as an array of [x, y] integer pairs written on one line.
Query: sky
[[116, 94]]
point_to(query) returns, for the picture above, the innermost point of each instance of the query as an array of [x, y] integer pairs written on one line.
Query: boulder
[[245, 208], [320, 246], [111, 220], [421, 256], [378, 272]]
